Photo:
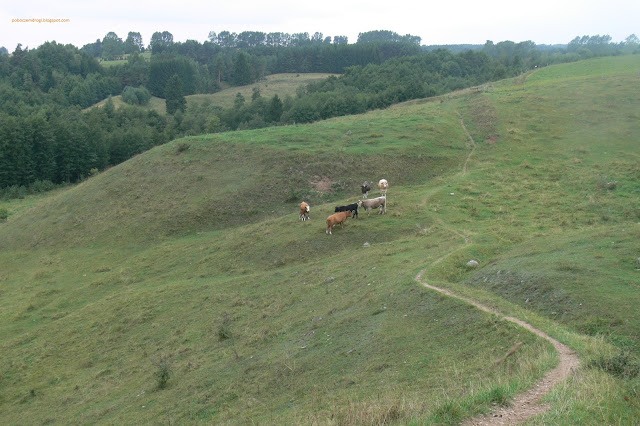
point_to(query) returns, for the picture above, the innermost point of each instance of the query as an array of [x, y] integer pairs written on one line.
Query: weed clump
[[224, 330], [607, 184], [182, 147], [621, 365], [163, 372]]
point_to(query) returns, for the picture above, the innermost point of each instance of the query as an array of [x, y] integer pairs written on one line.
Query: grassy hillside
[[154, 104], [276, 84], [107, 64], [181, 287], [283, 85]]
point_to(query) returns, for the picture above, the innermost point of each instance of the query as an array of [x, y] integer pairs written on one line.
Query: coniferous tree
[[241, 70], [174, 95], [274, 109]]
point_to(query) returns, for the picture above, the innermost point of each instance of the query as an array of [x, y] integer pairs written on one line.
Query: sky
[[447, 22]]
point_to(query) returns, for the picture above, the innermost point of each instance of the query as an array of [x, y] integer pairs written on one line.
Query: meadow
[[180, 287], [282, 85]]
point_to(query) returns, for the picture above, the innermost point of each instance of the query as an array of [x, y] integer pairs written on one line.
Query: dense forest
[[47, 138]]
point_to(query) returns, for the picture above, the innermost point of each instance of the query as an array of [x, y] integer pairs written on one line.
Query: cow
[[365, 187], [374, 203], [304, 211], [337, 218], [383, 185], [353, 208]]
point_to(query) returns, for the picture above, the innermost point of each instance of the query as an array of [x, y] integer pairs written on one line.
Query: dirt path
[[527, 404], [471, 140]]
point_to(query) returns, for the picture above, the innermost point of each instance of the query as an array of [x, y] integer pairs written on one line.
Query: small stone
[[366, 245], [472, 263]]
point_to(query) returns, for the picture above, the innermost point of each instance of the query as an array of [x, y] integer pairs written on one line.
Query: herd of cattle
[[351, 210]]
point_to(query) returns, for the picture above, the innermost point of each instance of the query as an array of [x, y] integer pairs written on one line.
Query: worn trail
[[527, 404]]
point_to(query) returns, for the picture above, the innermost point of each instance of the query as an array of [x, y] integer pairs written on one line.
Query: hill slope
[[189, 260], [282, 85]]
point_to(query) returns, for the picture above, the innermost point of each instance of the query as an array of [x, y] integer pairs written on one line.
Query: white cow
[[383, 185], [374, 203]]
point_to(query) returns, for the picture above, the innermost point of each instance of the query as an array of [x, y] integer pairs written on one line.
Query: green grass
[[283, 85], [108, 64], [180, 287], [155, 104]]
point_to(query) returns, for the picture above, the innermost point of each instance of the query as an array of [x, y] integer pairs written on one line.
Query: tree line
[[47, 138]]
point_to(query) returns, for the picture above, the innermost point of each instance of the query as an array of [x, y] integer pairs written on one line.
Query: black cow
[[365, 187], [353, 208]]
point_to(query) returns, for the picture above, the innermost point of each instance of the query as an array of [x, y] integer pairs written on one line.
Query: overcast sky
[[436, 22]]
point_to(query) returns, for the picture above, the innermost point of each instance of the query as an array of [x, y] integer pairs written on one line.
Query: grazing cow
[[374, 203], [365, 187], [383, 185], [304, 211], [353, 208], [337, 218]]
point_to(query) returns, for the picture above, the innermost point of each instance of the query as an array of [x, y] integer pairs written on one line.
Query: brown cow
[[304, 211], [337, 218]]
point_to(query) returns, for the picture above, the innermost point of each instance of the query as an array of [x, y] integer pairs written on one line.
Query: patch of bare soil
[[322, 184], [527, 404]]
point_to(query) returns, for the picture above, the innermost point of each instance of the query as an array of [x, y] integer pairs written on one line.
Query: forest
[[49, 136]]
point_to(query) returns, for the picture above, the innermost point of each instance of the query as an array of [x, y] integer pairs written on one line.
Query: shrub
[[4, 214], [14, 192], [224, 332], [136, 95], [182, 147], [163, 372], [621, 365], [41, 186]]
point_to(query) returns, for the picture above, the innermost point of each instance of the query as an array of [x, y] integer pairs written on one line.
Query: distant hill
[[453, 48], [459, 48], [282, 85]]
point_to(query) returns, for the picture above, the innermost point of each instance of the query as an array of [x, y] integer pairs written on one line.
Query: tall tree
[[274, 109], [112, 46], [174, 95], [133, 43], [632, 40], [340, 40], [160, 41], [241, 70], [227, 39]]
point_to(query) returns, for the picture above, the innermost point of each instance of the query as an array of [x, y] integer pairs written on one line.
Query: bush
[[163, 372], [14, 192], [41, 186], [621, 365], [136, 96], [4, 214]]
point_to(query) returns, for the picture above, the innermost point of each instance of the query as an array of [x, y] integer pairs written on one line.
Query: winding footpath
[[527, 404]]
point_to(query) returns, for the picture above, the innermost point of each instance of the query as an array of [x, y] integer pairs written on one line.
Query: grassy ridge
[[282, 85], [215, 181], [190, 259]]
